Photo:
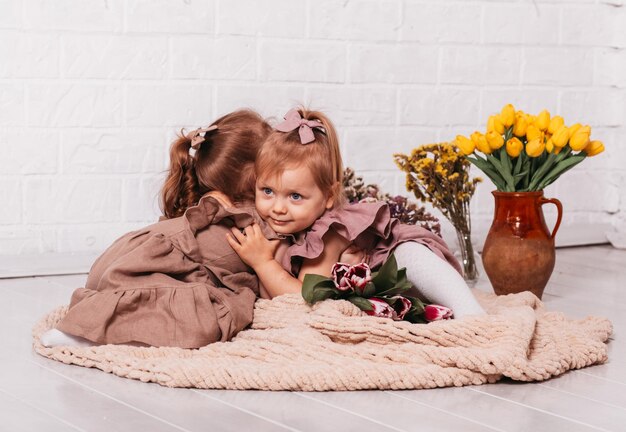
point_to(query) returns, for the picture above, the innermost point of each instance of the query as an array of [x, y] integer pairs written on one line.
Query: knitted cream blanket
[[334, 346]]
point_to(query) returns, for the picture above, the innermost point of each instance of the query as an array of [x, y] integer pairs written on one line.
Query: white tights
[[437, 280], [54, 337]]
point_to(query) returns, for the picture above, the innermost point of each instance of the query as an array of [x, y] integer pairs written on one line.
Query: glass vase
[[467, 258]]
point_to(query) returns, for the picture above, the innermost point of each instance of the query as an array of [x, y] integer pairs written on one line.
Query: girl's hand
[[252, 246], [258, 252]]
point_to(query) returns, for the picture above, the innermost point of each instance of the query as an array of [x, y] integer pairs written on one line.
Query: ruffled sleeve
[[368, 226]]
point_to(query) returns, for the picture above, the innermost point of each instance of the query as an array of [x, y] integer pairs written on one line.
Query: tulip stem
[[488, 169], [560, 168], [538, 175], [506, 175]]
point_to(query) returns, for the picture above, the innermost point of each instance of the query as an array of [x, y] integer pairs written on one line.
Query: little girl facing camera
[[299, 194]]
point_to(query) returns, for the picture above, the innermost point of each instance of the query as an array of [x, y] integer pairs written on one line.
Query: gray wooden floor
[[37, 394]]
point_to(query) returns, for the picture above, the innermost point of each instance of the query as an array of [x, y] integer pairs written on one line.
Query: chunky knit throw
[[334, 346]]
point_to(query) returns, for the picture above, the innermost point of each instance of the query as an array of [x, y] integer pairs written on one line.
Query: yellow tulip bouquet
[[523, 152]]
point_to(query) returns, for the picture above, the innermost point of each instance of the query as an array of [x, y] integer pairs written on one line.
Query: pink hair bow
[[198, 136], [293, 120]]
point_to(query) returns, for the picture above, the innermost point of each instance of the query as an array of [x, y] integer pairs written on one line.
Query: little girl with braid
[[299, 195], [178, 282]]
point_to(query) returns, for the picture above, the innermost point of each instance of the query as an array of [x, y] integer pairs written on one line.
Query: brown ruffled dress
[[174, 283], [368, 226]]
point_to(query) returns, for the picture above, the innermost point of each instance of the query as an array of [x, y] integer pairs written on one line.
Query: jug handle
[[559, 208]]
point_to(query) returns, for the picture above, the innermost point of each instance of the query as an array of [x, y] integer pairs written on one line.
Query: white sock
[[54, 337], [437, 280]]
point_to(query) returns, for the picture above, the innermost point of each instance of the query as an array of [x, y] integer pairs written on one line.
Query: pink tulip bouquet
[[380, 293]]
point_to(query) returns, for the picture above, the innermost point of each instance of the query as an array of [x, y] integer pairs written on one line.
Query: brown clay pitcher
[[519, 250]]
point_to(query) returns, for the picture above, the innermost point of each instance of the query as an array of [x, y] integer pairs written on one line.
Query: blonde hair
[[284, 150]]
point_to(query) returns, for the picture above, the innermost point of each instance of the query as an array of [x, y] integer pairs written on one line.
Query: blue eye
[[296, 196], [267, 191]]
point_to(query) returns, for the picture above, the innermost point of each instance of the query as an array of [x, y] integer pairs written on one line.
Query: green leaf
[[401, 276], [488, 169], [415, 316], [505, 159], [316, 288], [520, 179], [541, 175], [518, 166], [369, 290], [398, 288], [361, 303], [564, 153], [314, 279], [543, 169], [387, 275], [520, 175], [322, 293], [561, 168], [525, 167], [506, 174]]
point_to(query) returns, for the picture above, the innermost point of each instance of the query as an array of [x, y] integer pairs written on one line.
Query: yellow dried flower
[[439, 174]]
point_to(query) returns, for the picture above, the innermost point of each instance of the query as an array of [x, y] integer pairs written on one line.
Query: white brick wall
[[92, 92]]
